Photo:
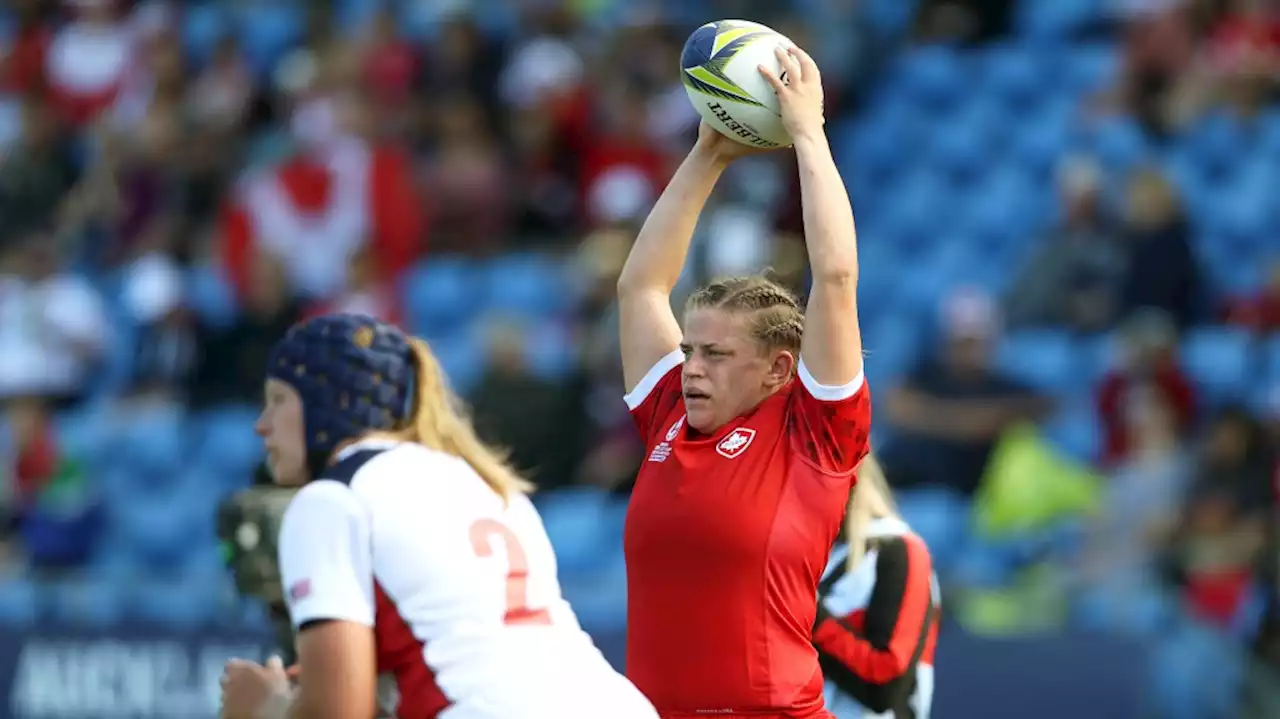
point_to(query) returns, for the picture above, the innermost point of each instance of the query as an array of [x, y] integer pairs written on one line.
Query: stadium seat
[[1042, 140], [267, 31], [1219, 360], [177, 602], [1271, 362], [575, 523], [439, 295], [1089, 67], [159, 529], [87, 601], [1046, 360], [84, 433], [931, 77], [203, 25], [463, 358], [20, 603], [1048, 20], [551, 351], [962, 148], [1216, 142], [1074, 430], [941, 518], [210, 296], [1119, 143], [1014, 76], [526, 286], [224, 440], [1197, 673], [599, 599], [151, 439]]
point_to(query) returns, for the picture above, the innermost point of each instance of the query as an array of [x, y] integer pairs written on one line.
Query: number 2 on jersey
[[483, 534]]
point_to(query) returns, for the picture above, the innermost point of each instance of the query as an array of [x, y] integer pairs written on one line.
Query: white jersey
[[460, 590]]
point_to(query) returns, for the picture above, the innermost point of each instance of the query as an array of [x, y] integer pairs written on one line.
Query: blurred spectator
[[465, 182], [947, 415], [88, 60], [36, 172], [1260, 312], [1159, 44], [391, 63], [1226, 518], [1162, 272], [221, 94], [231, 360], [165, 352], [1074, 280], [1147, 365], [963, 21], [539, 422], [1241, 67], [22, 69], [53, 325], [462, 61], [1127, 545], [55, 508]]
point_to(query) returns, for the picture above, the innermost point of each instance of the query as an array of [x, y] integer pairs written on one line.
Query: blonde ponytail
[[440, 423], [870, 499]]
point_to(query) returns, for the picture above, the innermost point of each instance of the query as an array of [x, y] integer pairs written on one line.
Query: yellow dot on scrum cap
[[363, 337], [300, 370]]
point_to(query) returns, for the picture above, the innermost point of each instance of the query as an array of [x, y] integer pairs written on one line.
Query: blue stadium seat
[[1014, 75], [551, 351], [1119, 143], [1040, 142], [1197, 672], [599, 598], [87, 601], [267, 31], [1089, 67], [19, 603], [932, 77], [463, 357], [941, 518], [84, 433], [1074, 430], [440, 295], [1271, 361], [1041, 20], [159, 529], [151, 439], [1219, 361], [203, 25], [962, 148], [576, 523], [526, 285], [1045, 359], [1216, 142], [210, 296], [224, 440], [177, 602]]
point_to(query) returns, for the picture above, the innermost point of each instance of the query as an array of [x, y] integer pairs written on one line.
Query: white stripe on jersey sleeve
[[326, 562], [829, 392], [637, 396]]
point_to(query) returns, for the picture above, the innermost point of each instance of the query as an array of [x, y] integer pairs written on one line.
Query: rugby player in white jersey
[[411, 550]]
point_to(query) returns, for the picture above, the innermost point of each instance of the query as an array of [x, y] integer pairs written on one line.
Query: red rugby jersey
[[726, 540]]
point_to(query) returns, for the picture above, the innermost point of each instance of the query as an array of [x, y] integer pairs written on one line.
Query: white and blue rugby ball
[[719, 68]]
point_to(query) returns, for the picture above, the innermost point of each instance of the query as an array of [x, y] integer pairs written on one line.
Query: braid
[[776, 319]]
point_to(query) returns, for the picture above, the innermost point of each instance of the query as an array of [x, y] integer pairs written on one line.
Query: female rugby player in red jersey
[[754, 420]]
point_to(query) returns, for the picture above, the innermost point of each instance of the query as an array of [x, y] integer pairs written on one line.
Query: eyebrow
[[708, 346]]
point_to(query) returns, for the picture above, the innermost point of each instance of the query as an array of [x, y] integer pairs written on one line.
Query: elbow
[[841, 275], [878, 698]]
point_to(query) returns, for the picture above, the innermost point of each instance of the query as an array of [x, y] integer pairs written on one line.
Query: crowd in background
[[180, 183]]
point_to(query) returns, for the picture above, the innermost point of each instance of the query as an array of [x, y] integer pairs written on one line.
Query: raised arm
[[832, 346], [647, 325]]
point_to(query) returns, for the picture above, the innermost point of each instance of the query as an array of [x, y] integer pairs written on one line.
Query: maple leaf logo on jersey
[[736, 443]]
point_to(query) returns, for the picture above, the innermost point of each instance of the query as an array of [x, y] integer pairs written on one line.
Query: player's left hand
[[799, 94], [248, 686]]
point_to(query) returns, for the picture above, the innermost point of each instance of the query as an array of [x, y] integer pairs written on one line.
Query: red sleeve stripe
[[897, 613]]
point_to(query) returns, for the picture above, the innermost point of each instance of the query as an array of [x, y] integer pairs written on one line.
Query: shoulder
[[657, 381], [322, 503]]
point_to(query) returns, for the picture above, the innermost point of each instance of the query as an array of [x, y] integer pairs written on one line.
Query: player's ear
[[781, 368]]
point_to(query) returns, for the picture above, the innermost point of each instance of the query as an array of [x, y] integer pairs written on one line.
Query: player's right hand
[[719, 147]]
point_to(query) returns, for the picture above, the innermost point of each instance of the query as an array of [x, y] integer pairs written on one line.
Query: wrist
[[277, 705], [809, 141], [708, 156]]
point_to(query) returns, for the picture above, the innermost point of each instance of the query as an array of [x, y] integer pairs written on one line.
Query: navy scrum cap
[[353, 374]]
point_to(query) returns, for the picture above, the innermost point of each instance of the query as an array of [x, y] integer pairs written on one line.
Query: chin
[[701, 420]]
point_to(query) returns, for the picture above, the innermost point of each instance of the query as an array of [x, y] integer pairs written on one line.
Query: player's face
[[726, 371], [280, 427]]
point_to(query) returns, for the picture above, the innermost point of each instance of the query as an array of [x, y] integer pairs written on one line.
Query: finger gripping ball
[[719, 69]]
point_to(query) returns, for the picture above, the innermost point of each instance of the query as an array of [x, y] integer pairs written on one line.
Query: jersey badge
[[300, 590], [736, 442], [663, 449]]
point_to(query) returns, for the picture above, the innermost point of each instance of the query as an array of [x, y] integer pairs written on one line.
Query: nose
[[693, 368], [260, 426]]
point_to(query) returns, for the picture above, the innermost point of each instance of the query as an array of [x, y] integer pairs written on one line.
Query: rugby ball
[[719, 69]]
